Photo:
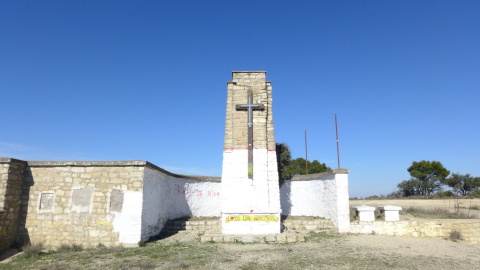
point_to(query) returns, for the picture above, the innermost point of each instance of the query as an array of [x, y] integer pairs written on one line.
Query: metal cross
[[250, 108]]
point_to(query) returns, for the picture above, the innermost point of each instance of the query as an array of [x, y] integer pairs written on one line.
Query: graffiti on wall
[[252, 218], [180, 190]]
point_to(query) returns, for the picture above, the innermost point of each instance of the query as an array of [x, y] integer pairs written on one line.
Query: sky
[[147, 80]]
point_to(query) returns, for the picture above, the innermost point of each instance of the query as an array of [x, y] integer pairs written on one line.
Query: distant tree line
[[288, 167], [428, 177]]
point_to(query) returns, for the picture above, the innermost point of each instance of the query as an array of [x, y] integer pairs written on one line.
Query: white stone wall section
[[167, 196], [319, 195]]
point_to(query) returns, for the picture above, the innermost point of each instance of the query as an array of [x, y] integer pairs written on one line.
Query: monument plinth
[[250, 190]]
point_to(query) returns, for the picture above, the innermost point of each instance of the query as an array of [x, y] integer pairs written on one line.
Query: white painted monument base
[[251, 223], [391, 212]]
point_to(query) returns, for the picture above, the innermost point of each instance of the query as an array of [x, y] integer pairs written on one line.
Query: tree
[[284, 158], [298, 167], [430, 175], [287, 168], [409, 187], [462, 184]]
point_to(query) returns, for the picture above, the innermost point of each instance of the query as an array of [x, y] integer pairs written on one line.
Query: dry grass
[[455, 236], [465, 206], [32, 250], [321, 251], [435, 213]]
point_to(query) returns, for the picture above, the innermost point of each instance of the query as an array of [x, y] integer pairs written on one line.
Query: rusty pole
[[338, 152], [306, 153]]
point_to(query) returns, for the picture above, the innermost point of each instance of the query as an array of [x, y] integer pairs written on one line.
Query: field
[[468, 207]]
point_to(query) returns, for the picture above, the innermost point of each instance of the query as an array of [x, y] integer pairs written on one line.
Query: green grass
[[319, 237]]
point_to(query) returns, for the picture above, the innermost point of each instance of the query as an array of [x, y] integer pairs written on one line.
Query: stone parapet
[[316, 176], [440, 228], [267, 238], [134, 163]]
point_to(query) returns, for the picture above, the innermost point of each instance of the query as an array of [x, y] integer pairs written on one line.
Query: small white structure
[[391, 212], [365, 213]]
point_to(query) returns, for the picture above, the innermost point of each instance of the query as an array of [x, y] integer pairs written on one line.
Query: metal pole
[[306, 152], [338, 152]]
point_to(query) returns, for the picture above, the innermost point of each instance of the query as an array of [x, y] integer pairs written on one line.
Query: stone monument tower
[[250, 191]]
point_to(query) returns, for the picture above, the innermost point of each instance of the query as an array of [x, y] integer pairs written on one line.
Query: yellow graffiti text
[[252, 218]]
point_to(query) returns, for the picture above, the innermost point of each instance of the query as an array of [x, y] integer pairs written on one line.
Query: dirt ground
[[183, 251]]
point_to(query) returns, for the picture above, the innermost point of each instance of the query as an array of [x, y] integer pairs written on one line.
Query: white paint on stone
[[241, 195], [325, 196], [391, 212], [128, 223], [155, 203], [365, 213], [168, 197]]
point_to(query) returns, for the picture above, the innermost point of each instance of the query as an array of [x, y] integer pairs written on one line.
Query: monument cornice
[[316, 176]]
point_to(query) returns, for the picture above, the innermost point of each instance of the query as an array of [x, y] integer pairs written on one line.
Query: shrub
[[63, 248], [447, 193], [141, 244], [475, 194], [455, 236], [68, 248], [77, 247], [32, 250]]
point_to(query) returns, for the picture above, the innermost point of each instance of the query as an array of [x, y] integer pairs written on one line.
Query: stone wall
[[11, 171], [470, 228], [88, 203], [318, 195], [82, 202], [169, 196]]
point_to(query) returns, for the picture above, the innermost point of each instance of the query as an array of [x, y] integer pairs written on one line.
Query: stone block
[[270, 238], [229, 239], [281, 238], [218, 239], [205, 238], [247, 239], [291, 238]]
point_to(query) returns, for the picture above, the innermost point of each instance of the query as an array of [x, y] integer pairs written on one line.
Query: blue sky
[[118, 80]]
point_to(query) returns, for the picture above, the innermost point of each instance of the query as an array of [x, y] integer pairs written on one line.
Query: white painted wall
[[242, 196], [323, 196], [128, 223], [155, 204], [168, 197]]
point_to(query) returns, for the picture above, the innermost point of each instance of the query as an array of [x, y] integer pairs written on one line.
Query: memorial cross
[[250, 108]]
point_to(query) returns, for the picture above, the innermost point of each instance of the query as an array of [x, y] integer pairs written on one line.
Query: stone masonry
[[90, 203], [11, 171], [250, 206]]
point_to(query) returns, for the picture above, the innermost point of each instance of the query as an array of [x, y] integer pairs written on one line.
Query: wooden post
[[306, 152], [338, 152]]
